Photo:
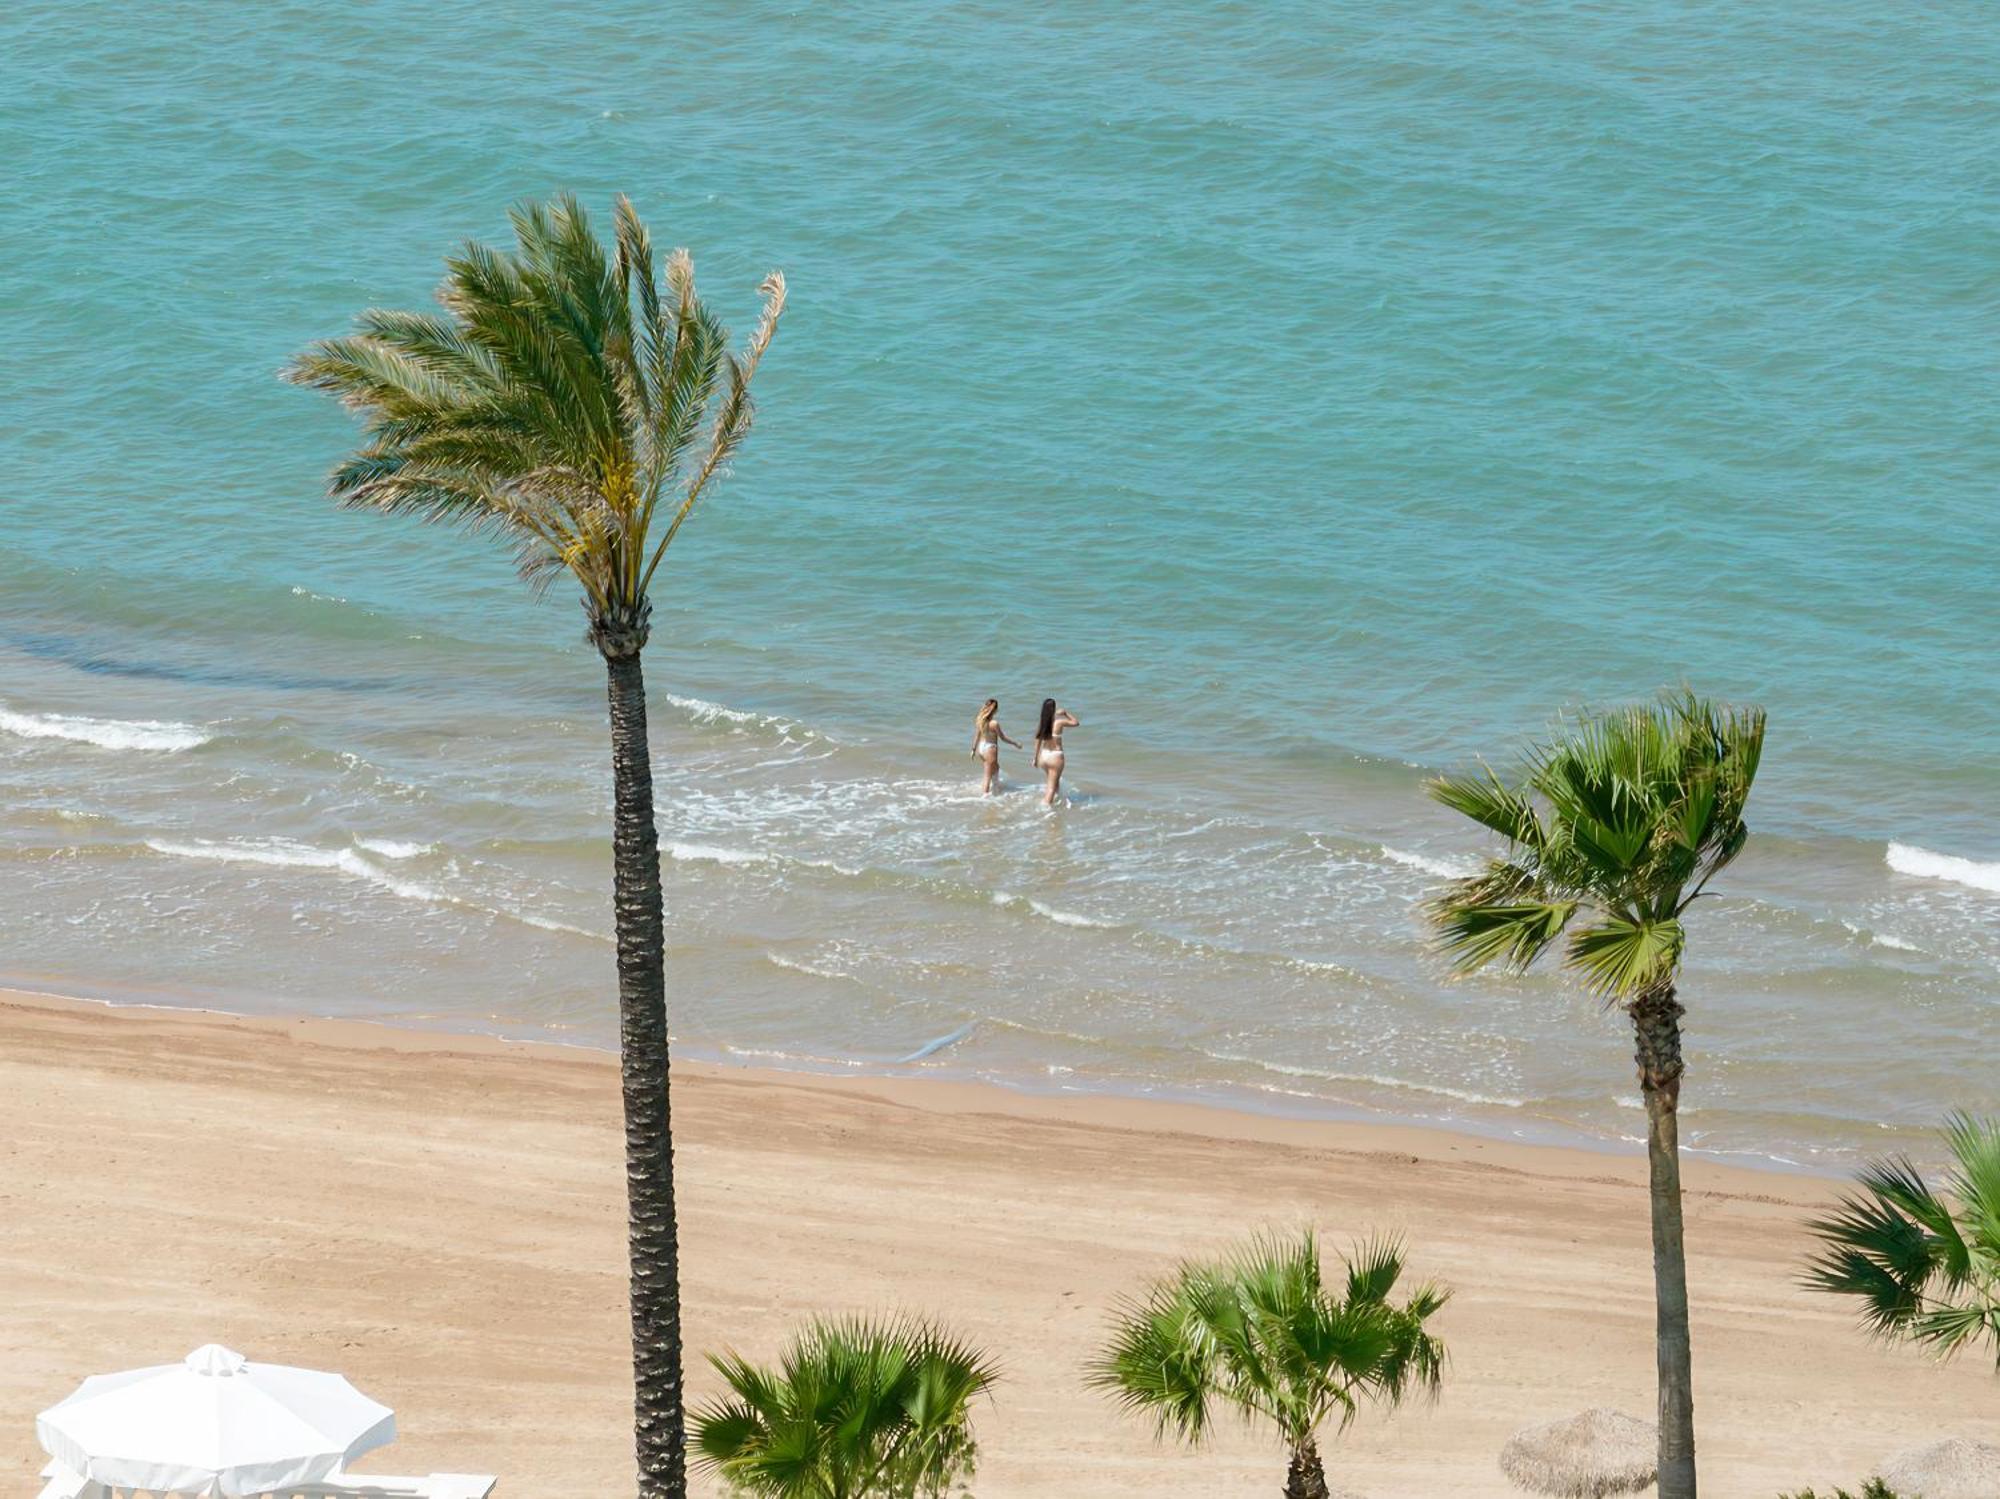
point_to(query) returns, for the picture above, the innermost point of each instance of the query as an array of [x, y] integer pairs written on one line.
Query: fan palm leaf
[[853, 1408], [1923, 1263]]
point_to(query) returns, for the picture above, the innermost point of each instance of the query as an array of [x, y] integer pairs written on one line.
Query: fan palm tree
[[1260, 1333], [1612, 833], [569, 401], [1923, 1263], [853, 1408]]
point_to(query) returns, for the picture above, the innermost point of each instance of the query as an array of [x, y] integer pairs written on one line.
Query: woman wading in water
[[1049, 746], [986, 739]]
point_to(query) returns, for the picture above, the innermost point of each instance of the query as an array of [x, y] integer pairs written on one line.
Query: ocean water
[[1312, 396]]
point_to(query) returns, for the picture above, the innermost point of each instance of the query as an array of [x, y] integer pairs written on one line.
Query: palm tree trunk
[[1305, 1478], [660, 1424], [1656, 1022]]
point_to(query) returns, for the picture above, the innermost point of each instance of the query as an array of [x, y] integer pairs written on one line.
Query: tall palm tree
[[1923, 1263], [1612, 832], [1261, 1334], [853, 1409], [570, 402]]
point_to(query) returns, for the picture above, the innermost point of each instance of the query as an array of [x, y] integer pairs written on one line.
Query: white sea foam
[[703, 711], [1906, 858], [1377, 1080], [105, 733], [850, 871], [774, 1054], [393, 848], [282, 853], [1066, 918], [1880, 939], [1449, 869], [708, 853], [1006, 900], [779, 961]]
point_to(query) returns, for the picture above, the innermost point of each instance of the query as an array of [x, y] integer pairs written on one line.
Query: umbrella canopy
[[1585, 1457], [213, 1424], [1955, 1469]]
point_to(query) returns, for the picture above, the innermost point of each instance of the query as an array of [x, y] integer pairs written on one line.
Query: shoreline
[[1238, 1113], [441, 1217], [935, 1094]]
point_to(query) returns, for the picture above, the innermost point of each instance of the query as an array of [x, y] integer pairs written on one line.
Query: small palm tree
[[854, 1408], [1612, 833], [571, 403], [1924, 1264], [1260, 1333]]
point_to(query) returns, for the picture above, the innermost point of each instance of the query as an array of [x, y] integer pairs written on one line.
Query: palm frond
[[558, 398], [1975, 1183], [1373, 1270], [1491, 804], [733, 412], [1477, 930], [1921, 1264], [1620, 959]]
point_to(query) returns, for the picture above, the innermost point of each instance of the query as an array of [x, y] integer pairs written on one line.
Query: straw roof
[[1954, 1469], [1584, 1457]]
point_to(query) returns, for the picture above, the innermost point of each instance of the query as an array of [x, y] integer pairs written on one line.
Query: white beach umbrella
[[213, 1424]]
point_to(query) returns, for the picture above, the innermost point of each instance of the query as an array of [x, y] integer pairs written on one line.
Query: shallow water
[[1312, 398]]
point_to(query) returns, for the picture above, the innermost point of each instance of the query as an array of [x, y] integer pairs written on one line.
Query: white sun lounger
[[63, 1484], [381, 1486]]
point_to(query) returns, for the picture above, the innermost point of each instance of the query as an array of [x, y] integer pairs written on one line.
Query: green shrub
[[1873, 1489]]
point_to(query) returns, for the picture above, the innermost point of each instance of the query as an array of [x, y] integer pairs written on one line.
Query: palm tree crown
[[1621, 823], [853, 1408], [1261, 1334], [564, 398], [1924, 1264]]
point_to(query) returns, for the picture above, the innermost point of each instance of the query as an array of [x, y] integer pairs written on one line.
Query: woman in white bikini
[[1049, 746], [986, 737]]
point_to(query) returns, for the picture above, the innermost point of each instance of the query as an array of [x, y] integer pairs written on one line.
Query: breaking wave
[[105, 733], [1906, 858]]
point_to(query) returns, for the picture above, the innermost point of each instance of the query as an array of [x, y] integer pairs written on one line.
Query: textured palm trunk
[[659, 1420], [1656, 1023], [1305, 1478]]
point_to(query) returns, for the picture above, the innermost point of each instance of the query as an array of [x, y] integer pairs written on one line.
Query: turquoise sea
[[1311, 396]]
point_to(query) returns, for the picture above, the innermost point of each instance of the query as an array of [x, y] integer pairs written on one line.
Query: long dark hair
[[1048, 728]]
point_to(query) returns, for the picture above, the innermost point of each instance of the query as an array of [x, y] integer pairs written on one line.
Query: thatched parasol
[[1585, 1457], [1954, 1469]]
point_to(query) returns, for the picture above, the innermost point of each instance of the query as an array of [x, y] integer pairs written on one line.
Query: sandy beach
[[442, 1218]]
